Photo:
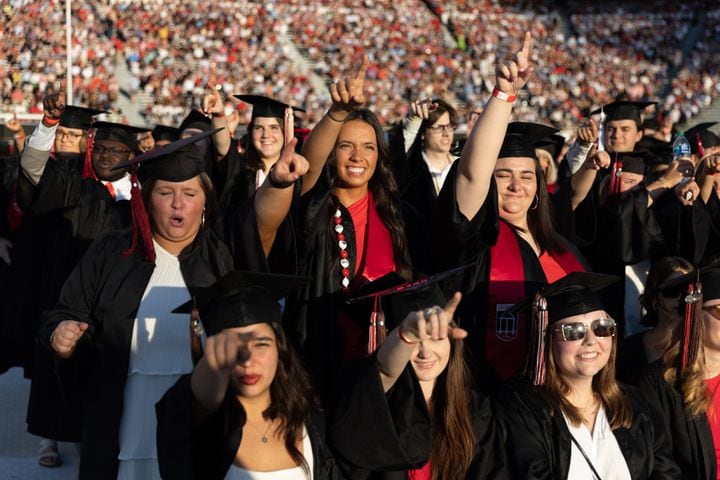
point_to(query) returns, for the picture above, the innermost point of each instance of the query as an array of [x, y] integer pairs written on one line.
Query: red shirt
[[713, 416], [420, 473]]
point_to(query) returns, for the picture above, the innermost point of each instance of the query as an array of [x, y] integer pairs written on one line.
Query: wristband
[[274, 183], [218, 115], [503, 96], [403, 338], [333, 118], [50, 122]]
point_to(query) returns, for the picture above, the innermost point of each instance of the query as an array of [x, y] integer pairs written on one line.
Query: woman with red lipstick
[[247, 411], [574, 420], [113, 329]]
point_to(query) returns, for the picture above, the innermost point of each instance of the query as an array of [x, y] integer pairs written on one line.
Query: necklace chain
[[263, 436]]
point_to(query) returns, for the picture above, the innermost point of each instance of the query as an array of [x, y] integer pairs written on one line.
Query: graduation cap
[[552, 144], [623, 110], [242, 298], [79, 117], [118, 132], [628, 162], [652, 123], [700, 138], [574, 294], [661, 151], [196, 120], [521, 137], [266, 107], [700, 285], [392, 299], [165, 133], [175, 162]]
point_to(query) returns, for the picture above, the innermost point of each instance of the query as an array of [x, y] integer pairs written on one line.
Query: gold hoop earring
[[535, 203]]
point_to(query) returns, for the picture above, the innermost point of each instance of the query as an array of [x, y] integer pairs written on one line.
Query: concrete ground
[[18, 449]]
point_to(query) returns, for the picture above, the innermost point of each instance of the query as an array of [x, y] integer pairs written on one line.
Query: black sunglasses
[[602, 327]]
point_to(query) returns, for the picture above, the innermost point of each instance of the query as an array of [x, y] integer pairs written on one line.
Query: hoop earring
[[535, 203]]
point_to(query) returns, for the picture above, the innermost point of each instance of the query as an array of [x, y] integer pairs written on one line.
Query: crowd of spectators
[[175, 50]]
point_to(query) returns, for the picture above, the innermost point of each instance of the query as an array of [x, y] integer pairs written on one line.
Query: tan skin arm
[[582, 181], [346, 94], [477, 161], [214, 106]]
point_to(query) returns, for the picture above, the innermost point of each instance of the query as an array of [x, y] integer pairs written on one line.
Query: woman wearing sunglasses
[[684, 384], [575, 421]]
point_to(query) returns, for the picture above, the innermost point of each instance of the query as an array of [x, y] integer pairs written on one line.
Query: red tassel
[[700, 148], [195, 335], [376, 331], [616, 174], [88, 170], [140, 221], [535, 364], [690, 342]]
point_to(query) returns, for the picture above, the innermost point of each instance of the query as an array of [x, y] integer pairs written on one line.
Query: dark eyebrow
[[509, 170], [263, 339]]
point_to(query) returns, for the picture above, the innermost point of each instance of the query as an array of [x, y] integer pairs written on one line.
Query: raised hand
[[588, 133], [290, 166], [221, 351], [712, 163], [687, 192], [422, 108], [597, 159], [54, 105], [213, 103], [66, 336], [14, 124], [348, 93], [433, 323], [512, 75]]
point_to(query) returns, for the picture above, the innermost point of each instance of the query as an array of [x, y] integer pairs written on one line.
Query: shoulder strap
[[587, 459]]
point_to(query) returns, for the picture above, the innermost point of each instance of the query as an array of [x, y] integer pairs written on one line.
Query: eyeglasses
[[714, 311], [100, 150], [443, 128], [69, 135], [571, 332]]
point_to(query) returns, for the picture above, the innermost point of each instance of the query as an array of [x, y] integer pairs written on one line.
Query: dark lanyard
[[587, 459]]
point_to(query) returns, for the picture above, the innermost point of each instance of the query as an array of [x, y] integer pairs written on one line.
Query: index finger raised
[[363, 67]]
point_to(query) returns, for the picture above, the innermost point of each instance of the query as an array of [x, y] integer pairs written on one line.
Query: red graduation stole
[[505, 344]]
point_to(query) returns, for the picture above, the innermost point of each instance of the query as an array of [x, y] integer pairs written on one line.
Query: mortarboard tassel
[[616, 174], [140, 221], [535, 364], [376, 331], [690, 341], [195, 334], [700, 148], [88, 170]]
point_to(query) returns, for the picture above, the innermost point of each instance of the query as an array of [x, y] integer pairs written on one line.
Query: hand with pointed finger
[[289, 168], [14, 124], [433, 323], [588, 133], [422, 108], [54, 106], [512, 75], [599, 159], [349, 93], [221, 351], [213, 103], [66, 336], [712, 163]]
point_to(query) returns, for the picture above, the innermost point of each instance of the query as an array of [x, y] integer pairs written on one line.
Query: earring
[[202, 219], [535, 203]]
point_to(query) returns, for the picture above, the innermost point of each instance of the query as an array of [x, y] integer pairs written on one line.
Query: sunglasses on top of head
[[602, 327]]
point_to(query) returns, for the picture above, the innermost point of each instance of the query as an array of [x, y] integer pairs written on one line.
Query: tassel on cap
[[535, 363], [700, 148], [376, 330], [616, 174], [196, 331], [88, 170], [691, 332], [141, 233]]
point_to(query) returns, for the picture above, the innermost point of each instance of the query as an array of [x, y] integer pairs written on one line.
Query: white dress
[[159, 355], [296, 473]]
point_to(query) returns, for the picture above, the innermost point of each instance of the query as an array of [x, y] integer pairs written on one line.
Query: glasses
[[571, 332], [101, 150], [69, 135], [714, 311], [443, 128]]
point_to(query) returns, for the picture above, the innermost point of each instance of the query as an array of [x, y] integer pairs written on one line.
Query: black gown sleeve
[[490, 460], [374, 431]]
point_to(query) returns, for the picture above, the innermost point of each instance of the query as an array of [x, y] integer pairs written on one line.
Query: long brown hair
[[660, 271], [693, 388], [291, 398], [252, 157], [604, 385], [453, 446], [385, 192]]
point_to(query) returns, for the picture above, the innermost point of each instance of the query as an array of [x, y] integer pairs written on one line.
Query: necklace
[[263, 436], [342, 244]]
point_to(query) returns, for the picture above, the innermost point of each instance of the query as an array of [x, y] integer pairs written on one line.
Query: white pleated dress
[[159, 355]]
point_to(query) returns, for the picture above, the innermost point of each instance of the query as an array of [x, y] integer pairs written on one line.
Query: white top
[[296, 473], [601, 448], [122, 187], [159, 355], [439, 176]]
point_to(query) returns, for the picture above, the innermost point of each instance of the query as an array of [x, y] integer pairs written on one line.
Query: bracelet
[[333, 118], [19, 136], [274, 183], [503, 96], [50, 122], [403, 338], [218, 115]]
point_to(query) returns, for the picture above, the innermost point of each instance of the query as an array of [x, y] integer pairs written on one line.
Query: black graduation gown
[[310, 318], [206, 450], [457, 241], [632, 361], [712, 250], [104, 291], [690, 437], [686, 229], [379, 436], [10, 353], [539, 445]]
